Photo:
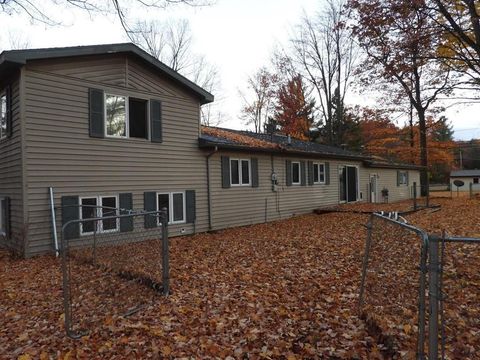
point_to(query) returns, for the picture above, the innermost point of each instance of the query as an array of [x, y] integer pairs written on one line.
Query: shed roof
[[14, 59], [465, 173]]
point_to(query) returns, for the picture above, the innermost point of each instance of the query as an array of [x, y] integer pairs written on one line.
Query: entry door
[[348, 183], [373, 188]]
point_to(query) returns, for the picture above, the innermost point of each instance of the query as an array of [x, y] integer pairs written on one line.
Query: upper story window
[[318, 173], [295, 173], [3, 115], [126, 117], [240, 172]]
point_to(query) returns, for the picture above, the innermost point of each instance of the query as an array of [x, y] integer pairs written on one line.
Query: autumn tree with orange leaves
[[294, 109]]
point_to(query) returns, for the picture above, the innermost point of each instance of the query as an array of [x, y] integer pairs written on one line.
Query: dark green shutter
[[156, 133], [254, 165], [288, 172], [327, 173], [406, 173], [310, 172], [303, 173], [225, 172], [70, 211], [96, 113], [398, 177], [9, 105], [150, 204], [126, 203], [190, 203], [6, 211]]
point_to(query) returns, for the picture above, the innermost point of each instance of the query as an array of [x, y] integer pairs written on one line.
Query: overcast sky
[[237, 36]]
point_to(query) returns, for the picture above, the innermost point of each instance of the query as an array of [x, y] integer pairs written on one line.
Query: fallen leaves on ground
[[286, 289]]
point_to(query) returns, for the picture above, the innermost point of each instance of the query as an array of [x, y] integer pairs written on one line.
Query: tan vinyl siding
[[61, 154], [11, 171], [387, 178], [244, 205]]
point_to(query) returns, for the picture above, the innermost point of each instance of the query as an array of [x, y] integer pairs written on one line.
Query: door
[[348, 183], [373, 188]]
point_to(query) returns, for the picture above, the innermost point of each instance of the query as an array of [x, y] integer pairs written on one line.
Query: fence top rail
[[132, 214], [422, 233], [455, 239]]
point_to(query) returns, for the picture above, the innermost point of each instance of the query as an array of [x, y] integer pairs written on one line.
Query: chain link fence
[[112, 265], [420, 293]]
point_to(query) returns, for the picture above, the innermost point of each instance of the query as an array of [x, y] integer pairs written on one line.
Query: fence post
[[414, 196], [365, 262], [165, 254], [433, 295], [421, 298]]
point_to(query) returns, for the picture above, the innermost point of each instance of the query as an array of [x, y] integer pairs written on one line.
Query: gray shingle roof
[[13, 59], [465, 173]]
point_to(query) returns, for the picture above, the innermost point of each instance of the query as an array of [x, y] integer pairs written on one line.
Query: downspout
[[209, 200]]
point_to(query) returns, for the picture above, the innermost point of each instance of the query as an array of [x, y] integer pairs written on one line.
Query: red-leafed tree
[[294, 109]]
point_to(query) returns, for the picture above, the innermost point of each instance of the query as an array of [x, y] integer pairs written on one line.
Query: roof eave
[[393, 166], [207, 144]]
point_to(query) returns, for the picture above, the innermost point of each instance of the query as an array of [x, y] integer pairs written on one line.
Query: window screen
[[163, 202], [234, 176], [116, 115], [88, 211], [137, 119], [107, 203], [321, 171], [178, 207], [245, 172], [295, 173]]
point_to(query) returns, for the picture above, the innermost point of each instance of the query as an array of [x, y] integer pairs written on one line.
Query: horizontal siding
[[11, 173], [387, 179], [61, 154]]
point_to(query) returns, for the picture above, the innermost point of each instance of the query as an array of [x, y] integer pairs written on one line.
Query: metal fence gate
[[112, 265], [422, 291]]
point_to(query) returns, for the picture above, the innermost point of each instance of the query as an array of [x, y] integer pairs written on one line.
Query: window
[[475, 180], [318, 173], [295, 173], [126, 117], [239, 172], [98, 206], [3, 229], [3, 116], [403, 178], [175, 204]]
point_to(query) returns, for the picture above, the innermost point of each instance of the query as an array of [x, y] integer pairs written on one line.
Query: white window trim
[[299, 173], [2, 216], [98, 224], [127, 116], [319, 172], [240, 183], [170, 207], [3, 94]]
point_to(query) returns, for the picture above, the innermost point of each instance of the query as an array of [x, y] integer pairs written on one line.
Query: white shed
[[467, 177]]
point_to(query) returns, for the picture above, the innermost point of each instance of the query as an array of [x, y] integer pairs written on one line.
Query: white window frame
[[240, 181], [320, 172], [2, 216], [170, 207], [3, 95], [403, 178], [127, 116], [299, 173], [98, 213]]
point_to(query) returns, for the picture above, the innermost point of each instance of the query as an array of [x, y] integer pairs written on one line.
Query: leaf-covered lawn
[[283, 289]]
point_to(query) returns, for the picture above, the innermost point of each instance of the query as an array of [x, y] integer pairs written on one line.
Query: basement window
[[126, 117], [98, 206]]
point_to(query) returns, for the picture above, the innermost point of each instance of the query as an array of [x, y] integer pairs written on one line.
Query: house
[[467, 177], [109, 125]]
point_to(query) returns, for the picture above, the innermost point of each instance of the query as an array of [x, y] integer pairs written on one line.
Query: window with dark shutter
[[303, 175], [327, 173], [191, 206], [225, 163], [150, 204], [254, 165], [288, 172], [126, 204], [70, 211]]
